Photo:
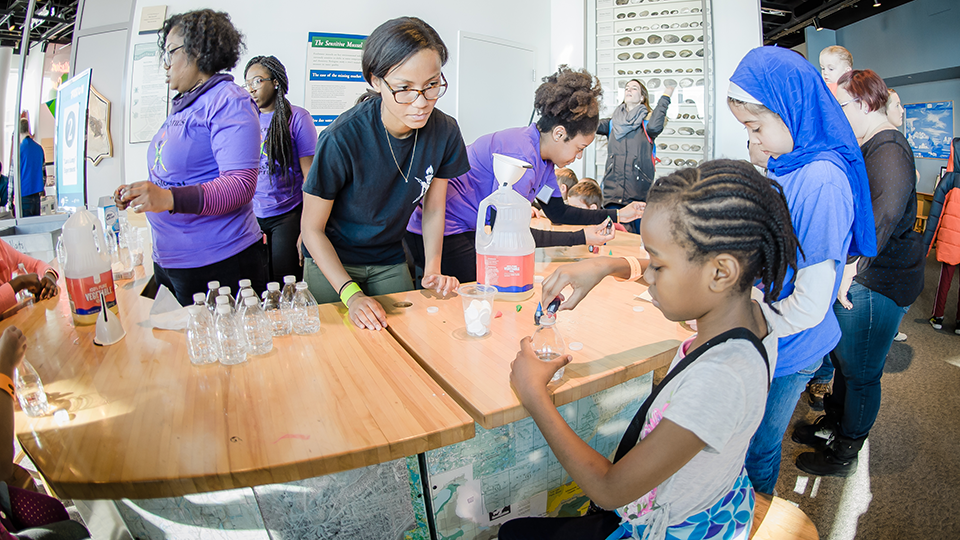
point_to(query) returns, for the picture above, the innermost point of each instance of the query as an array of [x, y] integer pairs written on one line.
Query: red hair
[[866, 86]]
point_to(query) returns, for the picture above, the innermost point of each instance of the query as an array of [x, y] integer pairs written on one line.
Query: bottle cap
[[213, 285], [250, 301], [223, 310], [289, 279], [244, 283], [273, 286], [224, 290], [247, 292], [223, 300], [301, 285], [199, 297]]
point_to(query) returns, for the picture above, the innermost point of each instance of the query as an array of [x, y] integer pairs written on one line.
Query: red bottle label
[[508, 273], [85, 293]]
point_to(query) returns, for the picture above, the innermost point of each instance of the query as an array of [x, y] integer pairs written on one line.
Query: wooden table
[[143, 422], [618, 343]]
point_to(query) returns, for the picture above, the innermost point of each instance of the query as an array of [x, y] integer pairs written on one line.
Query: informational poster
[[71, 140], [148, 93], [929, 128], [335, 78]]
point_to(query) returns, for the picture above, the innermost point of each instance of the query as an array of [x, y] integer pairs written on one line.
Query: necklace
[[415, 134]]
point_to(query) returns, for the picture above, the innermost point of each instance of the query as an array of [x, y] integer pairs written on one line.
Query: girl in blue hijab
[[794, 120]]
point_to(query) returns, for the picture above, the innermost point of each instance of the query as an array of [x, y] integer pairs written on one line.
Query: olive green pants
[[373, 280]]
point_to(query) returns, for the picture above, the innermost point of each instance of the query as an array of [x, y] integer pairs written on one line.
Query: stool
[[776, 519]]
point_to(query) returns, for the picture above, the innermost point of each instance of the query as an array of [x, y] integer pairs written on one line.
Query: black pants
[[250, 263], [282, 232], [31, 205], [459, 255], [595, 526]]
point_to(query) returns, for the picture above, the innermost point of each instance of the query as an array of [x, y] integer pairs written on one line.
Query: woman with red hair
[[876, 291]]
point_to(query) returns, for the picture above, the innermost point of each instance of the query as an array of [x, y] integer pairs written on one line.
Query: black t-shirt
[[372, 203], [897, 270]]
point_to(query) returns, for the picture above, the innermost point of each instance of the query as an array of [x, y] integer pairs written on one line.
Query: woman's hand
[[444, 285], [849, 272], [300, 248], [367, 313], [583, 276], [529, 375], [144, 197], [632, 211], [598, 236]]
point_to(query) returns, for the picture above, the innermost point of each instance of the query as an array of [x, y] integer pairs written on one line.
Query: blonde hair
[[840, 52]]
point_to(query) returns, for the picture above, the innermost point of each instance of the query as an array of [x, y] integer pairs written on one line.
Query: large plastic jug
[[87, 267], [505, 255]]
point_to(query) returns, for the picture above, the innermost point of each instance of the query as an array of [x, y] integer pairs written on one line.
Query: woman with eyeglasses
[[202, 164], [374, 164], [286, 154]]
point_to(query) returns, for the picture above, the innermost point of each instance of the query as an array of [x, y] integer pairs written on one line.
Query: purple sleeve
[[231, 190], [304, 133], [235, 132]]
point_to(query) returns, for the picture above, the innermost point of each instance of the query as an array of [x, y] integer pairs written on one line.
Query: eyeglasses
[[166, 57], [255, 83], [409, 95], [845, 103]]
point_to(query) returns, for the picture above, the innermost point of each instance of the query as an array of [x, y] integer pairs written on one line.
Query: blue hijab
[[790, 86]]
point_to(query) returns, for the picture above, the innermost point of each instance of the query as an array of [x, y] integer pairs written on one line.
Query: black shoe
[[817, 434], [838, 459], [936, 322]]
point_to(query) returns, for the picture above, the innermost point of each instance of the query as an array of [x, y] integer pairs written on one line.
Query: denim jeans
[[868, 331], [825, 374], [763, 455]]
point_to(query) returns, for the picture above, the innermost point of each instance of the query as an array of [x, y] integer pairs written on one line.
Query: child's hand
[[50, 288], [529, 375], [13, 345], [599, 235]]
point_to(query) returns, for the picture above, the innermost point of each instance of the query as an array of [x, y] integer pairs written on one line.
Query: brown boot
[[815, 392]]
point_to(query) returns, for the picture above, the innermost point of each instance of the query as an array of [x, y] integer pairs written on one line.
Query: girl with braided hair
[[678, 473], [569, 109], [286, 154]]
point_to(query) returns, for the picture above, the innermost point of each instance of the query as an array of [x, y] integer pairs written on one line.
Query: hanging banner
[[73, 97], [335, 78]]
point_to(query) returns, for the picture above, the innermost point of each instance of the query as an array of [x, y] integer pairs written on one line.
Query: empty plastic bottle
[[201, 335], [547, 342], [244, 284], [244, 294], [286, 296], [230, 335], [212, 293], [271, 308], [258, 330], [33, 400], [306, 314], [225, 291]]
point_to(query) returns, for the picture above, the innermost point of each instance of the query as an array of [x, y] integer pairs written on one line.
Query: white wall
[[283, 33]]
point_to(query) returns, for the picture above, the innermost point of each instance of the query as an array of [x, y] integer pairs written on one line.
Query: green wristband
[[348, 292]]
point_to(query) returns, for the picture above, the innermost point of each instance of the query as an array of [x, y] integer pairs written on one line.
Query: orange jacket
[[943, 223]]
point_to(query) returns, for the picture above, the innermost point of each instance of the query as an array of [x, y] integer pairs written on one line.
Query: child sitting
[[586, 194], [41, 281], [710, 232]]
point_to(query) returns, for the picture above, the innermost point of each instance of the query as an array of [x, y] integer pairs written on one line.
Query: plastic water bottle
[[241, 303], [225, 291], [258, 330], [547, 342], [286, 296], [233, 346], [306, 313], [244, 285], [212, 294], [24, 294], [33, 400], [201, 334], [271, 307]]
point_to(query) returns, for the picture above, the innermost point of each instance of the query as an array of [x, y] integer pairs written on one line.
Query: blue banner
[[323, 120], [929, 128], [70, 142], [343, 76]]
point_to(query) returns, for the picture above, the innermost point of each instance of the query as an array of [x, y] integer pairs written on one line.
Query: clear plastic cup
[[477, 307]]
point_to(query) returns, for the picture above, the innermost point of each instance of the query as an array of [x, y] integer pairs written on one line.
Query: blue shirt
[[31, 167], [821, 210]]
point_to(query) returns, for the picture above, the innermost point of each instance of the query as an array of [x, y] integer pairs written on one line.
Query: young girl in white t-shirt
[[710, 233]]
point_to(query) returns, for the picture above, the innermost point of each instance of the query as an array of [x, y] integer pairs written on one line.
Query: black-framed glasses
[[166, 57], [409, 95], [256, 82]]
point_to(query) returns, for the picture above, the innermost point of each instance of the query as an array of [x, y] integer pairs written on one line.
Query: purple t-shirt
[[465, 192], [276, 196], [216, 133]]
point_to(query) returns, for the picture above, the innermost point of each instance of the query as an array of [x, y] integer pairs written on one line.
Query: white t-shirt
[[721, 399]]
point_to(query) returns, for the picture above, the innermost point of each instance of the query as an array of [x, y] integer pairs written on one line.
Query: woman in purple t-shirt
[[286, 154], [202, 164]]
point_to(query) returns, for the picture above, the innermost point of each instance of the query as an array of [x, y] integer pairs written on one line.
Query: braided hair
[[727, 206], [278, 145], [570, 99]]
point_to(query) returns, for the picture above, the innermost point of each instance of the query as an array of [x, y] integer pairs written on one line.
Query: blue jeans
[[825, 374], [868, 331], [763, 455]]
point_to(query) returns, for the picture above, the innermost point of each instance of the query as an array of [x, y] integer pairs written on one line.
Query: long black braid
[[278, 145], [727, 206]]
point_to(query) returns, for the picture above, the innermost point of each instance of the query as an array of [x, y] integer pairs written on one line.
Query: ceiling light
[[816, 24], [876, 3]]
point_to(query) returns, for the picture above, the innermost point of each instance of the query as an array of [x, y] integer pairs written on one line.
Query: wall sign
[[929, 128], [334, 77], [73, 98]]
